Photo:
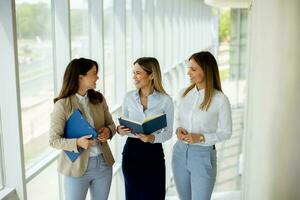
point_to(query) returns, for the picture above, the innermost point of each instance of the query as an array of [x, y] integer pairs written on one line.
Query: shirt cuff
[[74, 144]]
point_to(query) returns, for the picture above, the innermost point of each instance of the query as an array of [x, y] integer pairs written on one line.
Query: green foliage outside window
[[224, 26], [33, 20]]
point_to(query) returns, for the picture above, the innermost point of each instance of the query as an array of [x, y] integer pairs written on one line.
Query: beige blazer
[[62, 110]]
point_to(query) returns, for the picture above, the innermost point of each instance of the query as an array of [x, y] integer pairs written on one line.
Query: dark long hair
[[70, 84], [151, 66], [209, 65]]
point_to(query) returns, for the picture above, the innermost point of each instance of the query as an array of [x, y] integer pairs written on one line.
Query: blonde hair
[[151, 66], [209, 65]]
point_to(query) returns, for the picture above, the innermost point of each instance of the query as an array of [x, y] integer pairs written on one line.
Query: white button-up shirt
[[84, 102], [215, 123], [158, 103]]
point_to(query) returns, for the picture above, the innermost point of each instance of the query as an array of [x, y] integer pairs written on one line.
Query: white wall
[[272, 162]]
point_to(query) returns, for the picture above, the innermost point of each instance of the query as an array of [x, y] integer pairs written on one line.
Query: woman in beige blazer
[[93, 168]]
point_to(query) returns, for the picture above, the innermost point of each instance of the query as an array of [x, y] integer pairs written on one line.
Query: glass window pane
[[79, 28], [109, 89], [1, 161], [35, 74], [129, 41], [45, 186]]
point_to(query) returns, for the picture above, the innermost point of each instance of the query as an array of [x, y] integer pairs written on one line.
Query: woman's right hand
[[181, 132], [85, 142], [122, 130]]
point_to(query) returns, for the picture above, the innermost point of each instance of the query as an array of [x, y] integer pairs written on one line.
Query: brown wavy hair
[[70, 86], [209, 65]]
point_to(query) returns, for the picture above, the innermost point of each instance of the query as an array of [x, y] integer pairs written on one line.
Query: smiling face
[[141, 78], [196, 74], [89, 80]]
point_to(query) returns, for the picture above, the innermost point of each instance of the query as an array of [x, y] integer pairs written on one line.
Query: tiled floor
[[229, 195]]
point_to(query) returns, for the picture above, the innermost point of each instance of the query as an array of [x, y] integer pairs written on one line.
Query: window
[[35, 74], [129, 41], [1, 161], [45, 186], [108, 29], [79, 28]]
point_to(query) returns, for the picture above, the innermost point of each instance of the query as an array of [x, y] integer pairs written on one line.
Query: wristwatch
[[201, 138]]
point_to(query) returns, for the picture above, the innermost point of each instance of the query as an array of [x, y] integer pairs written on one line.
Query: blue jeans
[[194, 169], [97, 178]]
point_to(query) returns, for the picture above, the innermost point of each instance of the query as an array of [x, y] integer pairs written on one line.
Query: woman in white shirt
[[143, 161], [203, 119]]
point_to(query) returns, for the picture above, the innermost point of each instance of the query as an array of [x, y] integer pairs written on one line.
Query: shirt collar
[[153, 95], [196, 91], [81, 98]]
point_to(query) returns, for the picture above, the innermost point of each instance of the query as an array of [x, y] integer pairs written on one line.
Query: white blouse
[[215, 123], [84, 102], [158, 103]]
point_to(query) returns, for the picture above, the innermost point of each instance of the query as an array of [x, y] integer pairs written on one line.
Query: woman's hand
[[85, 142], [146, 138], [181, 133], [192, 138], [104, 134], [122, 130]]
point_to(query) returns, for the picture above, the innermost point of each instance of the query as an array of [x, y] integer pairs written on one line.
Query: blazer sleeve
[[57, 125], [109, 123]]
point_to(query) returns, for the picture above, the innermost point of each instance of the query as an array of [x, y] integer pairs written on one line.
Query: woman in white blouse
[[203, 119], [143, 161]]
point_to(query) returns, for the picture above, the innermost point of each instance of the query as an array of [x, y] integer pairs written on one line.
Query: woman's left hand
[[191, 138], [146, 138], [104, 134]]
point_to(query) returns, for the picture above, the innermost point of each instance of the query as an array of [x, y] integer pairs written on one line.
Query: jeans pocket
[[208, 160], [213, 158]]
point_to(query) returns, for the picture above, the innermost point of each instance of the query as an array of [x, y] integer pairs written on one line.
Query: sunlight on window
[[35, 74], [1, 161], [79, 28], [45, 186], [108, 29], [129, 42]]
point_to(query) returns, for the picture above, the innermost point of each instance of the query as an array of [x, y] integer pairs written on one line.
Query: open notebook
[[148, 126]]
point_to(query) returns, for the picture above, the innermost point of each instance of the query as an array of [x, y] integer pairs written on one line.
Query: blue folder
[[76, 127]]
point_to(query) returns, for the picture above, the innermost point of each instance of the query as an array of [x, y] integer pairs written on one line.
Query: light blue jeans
[[97, 178], [194, 169]]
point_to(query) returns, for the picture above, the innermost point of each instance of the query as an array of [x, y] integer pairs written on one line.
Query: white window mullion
[[148, 29], [97, 37], [136, 29], [176, 32], [61, 40], [168, 34], [120, 50], [160, 47], [186, 30], [181, 31], [14, 169]]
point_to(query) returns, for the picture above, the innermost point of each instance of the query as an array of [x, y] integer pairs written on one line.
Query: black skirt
[[144, 170]]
